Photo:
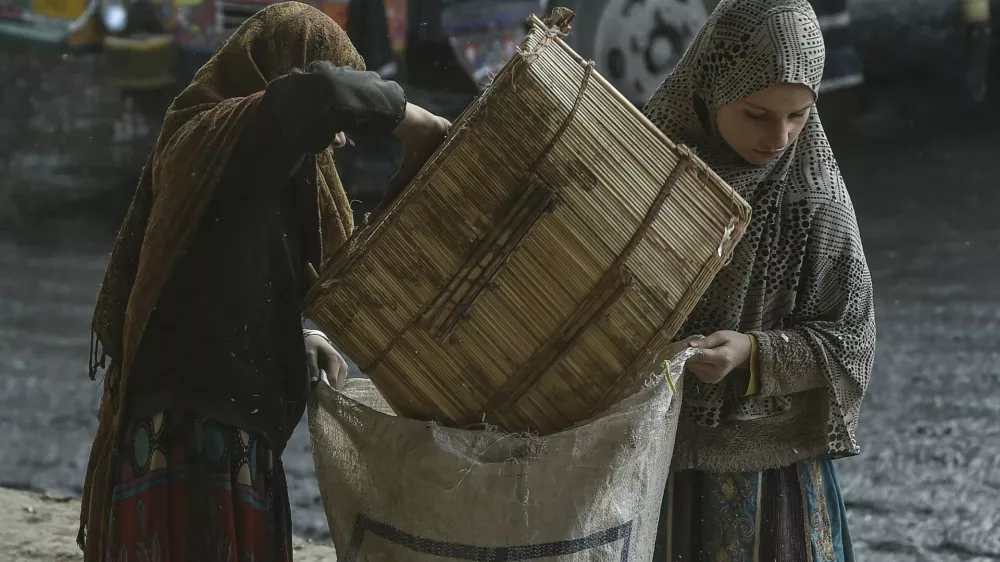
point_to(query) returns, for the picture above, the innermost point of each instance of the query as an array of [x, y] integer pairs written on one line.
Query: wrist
[[307, 333], [748, 345], [413, 117]]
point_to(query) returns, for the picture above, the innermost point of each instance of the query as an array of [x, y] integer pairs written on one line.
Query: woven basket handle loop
[[557, 26]]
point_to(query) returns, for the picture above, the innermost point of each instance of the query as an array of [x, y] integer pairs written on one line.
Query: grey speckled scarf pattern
[[798, 281]]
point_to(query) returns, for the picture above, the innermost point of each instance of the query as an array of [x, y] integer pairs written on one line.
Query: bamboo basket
[[541, 260]]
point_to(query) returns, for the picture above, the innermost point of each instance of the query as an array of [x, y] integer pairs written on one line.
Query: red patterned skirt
[[190, 489]]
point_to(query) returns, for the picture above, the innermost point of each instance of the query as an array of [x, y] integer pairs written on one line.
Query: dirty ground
[[38, 527]]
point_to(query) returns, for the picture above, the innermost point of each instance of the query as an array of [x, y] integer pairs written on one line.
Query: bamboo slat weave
[[540, 261]]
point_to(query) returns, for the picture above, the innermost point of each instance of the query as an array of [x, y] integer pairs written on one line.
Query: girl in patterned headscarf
[[200, 312], [774, 393]]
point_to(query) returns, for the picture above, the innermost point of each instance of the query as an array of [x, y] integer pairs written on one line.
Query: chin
[[758, 159]]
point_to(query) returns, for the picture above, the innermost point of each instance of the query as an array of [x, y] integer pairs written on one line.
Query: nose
[[339, 140], [777, 135]]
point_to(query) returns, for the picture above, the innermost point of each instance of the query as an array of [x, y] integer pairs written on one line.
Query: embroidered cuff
[[786, 364]]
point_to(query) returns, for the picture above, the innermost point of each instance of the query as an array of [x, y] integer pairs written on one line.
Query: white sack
[[397, 489]]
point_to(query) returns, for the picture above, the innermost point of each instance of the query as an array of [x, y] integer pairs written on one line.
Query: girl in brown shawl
[[774, 392], [199, 315]]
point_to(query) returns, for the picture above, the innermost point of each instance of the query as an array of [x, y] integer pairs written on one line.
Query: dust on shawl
[[798, 280], [200, 131]]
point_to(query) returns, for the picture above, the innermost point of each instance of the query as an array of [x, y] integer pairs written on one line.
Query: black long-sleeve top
[[225, 340]]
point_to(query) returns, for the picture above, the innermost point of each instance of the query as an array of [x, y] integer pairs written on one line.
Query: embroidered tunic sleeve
[[830, 341]]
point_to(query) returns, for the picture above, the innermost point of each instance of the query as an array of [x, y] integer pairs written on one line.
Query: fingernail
[[693, 343]]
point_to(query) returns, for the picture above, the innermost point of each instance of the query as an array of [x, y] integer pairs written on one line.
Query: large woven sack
[[397, 489]]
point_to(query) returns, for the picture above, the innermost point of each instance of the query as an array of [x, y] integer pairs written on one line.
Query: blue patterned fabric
[[751, 516], [829, 533]]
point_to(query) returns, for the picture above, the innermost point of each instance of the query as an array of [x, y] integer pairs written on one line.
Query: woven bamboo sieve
[[540, 261]]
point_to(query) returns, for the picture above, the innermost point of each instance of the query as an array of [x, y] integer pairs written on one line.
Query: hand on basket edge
[[324, 361], [422, 133]]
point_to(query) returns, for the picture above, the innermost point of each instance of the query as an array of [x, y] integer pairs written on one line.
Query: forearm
[[309, 108], [356, 103], [301, 113]]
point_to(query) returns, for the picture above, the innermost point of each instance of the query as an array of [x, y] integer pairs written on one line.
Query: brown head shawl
[[200, 131], [798, 280]]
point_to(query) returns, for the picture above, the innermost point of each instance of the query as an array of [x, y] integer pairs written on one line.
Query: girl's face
[[761, 126]]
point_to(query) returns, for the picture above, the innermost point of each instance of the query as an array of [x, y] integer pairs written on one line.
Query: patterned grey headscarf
[[798, 280]]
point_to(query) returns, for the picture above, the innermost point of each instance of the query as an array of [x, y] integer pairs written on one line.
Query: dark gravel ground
[[923, 171]]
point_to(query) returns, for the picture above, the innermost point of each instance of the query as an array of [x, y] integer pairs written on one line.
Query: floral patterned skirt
[[190, 489], [792, 514]]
